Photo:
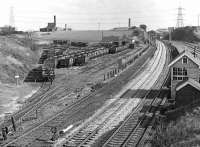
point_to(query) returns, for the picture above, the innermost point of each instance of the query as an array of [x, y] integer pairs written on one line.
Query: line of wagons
[[127, 60], [81, 57], [41, 74]]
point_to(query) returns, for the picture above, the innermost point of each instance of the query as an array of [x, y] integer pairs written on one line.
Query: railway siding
[[62, 119]]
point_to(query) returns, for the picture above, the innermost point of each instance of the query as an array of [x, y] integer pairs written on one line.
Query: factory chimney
[[55, 20], [129, 22]]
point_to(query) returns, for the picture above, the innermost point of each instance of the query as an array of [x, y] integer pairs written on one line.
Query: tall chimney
[[129, 22], [55, 20], [65, 27]]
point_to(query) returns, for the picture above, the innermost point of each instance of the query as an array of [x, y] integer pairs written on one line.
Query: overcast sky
[[86, 14]]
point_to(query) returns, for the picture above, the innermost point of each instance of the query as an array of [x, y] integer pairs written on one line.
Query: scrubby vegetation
[[184, 34], [184, 132], [15, 58]]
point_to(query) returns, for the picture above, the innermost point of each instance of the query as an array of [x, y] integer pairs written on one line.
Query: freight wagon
[[48, 72], [79, 44], [130, 59], [81, 56], [131, 45], [44, 56], [96, 52], [61, 42], [122, 63], [115, 49], [65, 62], [80, 59]]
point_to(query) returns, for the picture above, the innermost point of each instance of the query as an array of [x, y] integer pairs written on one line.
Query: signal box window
[[185, 61]]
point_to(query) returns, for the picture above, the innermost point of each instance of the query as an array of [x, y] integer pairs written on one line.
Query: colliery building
[[91, 36], [50, 27]]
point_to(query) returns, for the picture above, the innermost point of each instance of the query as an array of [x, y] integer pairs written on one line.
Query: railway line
[[193, 48], [61, 118], [42, 98], [92, 129], [140, 134], [32, 102], [58, 118], [134, 127], [113, 63]]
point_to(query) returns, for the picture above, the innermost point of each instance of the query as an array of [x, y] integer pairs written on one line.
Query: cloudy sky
[[88, 14]]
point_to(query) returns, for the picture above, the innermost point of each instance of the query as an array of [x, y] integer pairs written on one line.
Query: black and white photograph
[[100, 73]]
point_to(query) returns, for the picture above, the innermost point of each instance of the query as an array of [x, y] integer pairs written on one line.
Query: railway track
[[100, 66], [86, 137], [34, 104], [19, 114], [140, 127], [135, 126], [56, 119], [44, 96], [193, 48]]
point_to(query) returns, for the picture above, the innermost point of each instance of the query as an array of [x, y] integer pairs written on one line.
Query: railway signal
[[17, 79]]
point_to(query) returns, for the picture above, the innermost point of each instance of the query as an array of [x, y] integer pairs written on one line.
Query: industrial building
[[50, 27], [90, 36], [185, 73]]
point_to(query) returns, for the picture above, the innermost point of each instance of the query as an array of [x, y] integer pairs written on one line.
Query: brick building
[[185, 86], [50, 27]]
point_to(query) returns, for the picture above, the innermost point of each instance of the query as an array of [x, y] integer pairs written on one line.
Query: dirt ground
[[88, 107], [72, 84], [15, 59]]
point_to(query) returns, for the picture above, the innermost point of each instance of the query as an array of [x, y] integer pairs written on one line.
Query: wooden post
[[13, 123], [107, 75], [36, 113], [4, 134], [6, 130]]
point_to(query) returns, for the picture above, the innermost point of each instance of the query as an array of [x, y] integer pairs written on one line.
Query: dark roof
[[191, 82], [51, 25]]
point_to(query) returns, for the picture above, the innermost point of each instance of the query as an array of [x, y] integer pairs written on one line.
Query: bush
[[177, 132], [184, 34]]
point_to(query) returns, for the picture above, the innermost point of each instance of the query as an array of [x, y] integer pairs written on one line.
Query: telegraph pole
[[99, 26], [170, 29], [12, 18]]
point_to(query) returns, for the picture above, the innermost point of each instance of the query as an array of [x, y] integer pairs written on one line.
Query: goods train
[[81, 57], [63, 59], [123, 62]]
